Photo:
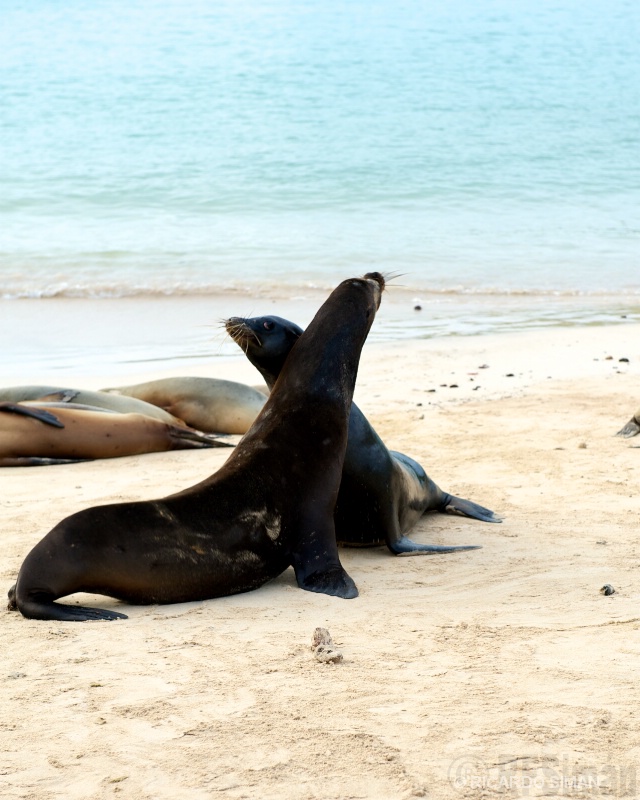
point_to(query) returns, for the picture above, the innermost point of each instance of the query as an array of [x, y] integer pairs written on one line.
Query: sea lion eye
[[267, 326]]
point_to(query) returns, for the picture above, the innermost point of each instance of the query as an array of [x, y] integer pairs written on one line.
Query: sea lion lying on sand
[[208, 404], [383, 493], [109, 402], [40, 434]]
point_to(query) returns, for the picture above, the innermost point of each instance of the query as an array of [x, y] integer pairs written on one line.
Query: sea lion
[[37, 434], [110, 402], [383, 493], [208, 404], [632, 428], [269, 506]]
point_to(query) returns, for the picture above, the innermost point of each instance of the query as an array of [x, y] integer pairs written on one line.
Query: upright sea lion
[[632, 428], [383, 493], [37, 434], [208, 404], [270, 506], [110, 402]]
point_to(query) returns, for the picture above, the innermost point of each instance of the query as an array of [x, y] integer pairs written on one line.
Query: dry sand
[[497, 672]]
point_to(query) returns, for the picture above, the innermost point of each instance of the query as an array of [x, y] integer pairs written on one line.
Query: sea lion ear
[[293, 330]]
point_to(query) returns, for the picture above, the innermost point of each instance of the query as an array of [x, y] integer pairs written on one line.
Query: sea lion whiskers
[[241, 333], [392, 276]]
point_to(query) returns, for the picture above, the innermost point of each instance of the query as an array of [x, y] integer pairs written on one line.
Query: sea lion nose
[[378, 278]]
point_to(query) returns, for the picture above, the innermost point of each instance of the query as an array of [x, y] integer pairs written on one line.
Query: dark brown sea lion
[[110, 402], [383, 493], [632, 428], [270, 506], [208, 404], [38, 434]]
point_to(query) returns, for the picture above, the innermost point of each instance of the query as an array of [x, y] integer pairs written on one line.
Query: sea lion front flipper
[[632, 428], [63, 396], [404, 546], [28, 411], [332, 580], [456, 505], [317, 564]]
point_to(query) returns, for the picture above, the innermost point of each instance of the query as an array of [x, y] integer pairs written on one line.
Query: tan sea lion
[[208, 404], [38, 434], [269, 506], [111, 402]]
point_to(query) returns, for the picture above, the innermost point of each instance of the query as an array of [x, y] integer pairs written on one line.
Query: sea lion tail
[[632, 428], [467, 508]]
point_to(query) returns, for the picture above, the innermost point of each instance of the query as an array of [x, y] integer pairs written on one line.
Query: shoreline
[[54, 340]]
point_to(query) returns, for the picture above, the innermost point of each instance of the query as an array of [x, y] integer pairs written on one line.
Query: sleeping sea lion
[[208, 404], [38, 434], [269, 506], [383, 493], [109, 402]]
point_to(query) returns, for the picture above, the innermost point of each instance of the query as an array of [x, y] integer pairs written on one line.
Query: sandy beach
[[496, 672]]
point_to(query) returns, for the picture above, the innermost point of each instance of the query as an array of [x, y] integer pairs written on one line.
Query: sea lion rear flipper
[[44, 608], [456, 505], [632, 428], [39, 604], [37, 413], [404, 546], [189, 437], [37, 461]]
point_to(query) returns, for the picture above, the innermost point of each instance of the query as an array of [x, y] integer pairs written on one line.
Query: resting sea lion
[[110, 402], [632, 428], [383, 493], [269, 506], [208, 404], [37, 434]]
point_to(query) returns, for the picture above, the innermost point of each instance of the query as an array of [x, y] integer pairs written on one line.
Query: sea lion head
[[266, 341], [378, 278]]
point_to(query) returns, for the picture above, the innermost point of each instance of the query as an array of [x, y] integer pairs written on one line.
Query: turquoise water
[[165, 147]]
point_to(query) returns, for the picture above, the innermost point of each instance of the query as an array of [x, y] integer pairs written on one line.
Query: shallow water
[[263, 151], [135, 336]]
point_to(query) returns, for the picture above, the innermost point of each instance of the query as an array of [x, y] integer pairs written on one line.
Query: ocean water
[[488, 153]]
